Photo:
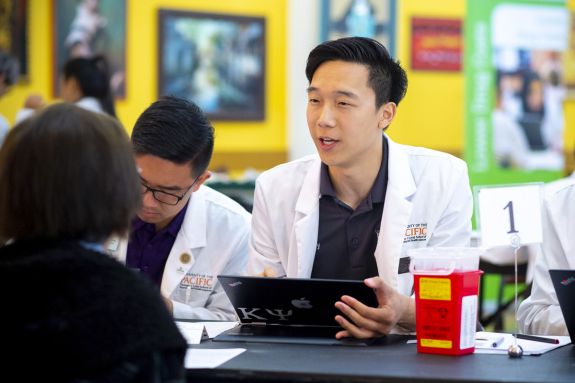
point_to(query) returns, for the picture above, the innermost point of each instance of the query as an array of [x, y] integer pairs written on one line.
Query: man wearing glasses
[[185, 233]]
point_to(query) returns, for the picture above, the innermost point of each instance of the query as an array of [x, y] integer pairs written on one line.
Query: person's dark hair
[[67, 173], [93, 79], [8, 68], [175, 130], [386, 77]]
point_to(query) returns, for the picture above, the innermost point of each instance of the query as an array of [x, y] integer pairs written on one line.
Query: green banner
[[514, 90]]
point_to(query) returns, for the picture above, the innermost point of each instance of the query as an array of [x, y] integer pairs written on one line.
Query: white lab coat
[[425, 188], [214, 240], [540, 313]]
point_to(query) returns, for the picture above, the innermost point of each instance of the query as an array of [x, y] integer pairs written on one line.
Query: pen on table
[[537, 338], [497, 341], [493, 341]]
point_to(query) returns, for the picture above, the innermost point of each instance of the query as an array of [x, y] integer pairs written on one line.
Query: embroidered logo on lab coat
[[197, 282], [415, 232]]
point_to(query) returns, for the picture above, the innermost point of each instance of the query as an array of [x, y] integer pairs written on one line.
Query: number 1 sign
[[509, 215]]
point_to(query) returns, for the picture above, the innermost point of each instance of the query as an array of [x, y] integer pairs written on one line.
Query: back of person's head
[[176, 130], [386, 77], [67, 174], [92, 75], [8, 69]]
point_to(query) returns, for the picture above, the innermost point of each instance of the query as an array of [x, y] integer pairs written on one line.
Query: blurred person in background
[[533, 106], [510, 144], [85, 82]]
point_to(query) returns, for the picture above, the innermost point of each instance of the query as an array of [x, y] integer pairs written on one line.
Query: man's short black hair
[[386, 77], [175, 130], [67, 174]]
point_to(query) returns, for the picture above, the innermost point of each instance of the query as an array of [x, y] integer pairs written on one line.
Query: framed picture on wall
[[84, 28], [14, 33], [436, 44], [214, 60], [366, 18]]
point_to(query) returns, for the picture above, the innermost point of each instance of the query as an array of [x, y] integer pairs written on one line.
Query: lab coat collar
[[309, 195], [90, 103], [194, 227], [396, 212], [400, 177], [192, 235]]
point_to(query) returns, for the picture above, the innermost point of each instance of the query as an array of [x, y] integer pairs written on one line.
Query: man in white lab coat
[[186, 233], [354, 210], [540, 312]]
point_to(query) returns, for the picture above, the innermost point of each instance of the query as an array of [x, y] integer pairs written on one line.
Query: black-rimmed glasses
[[164, 196]]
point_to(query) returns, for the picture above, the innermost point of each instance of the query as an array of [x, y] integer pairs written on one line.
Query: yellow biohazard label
[[438, 289], [435, 343]]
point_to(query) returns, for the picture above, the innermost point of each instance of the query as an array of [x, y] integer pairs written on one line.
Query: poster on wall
[[85, 28], [366, 18], [14, 32], [436, 44], [216, 61], [515, 88]]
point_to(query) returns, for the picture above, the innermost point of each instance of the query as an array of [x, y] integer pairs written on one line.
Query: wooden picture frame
[[367, 18], [215, 60], [14, 33]]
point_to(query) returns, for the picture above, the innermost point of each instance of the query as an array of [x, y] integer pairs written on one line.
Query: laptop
[[290, 310], [564, 283]]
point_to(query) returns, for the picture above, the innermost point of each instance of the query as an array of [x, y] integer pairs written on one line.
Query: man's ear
[[387, 113], [201, 179]]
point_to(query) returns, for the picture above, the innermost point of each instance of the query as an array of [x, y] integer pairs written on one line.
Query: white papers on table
[[192, 331], [214, 329], [210, 358], [484, 344], [195, 331]]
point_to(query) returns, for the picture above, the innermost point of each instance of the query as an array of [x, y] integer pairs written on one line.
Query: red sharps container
[[446, 283]]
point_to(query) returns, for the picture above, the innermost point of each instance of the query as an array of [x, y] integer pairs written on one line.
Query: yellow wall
[[431, 114], [142, 67]]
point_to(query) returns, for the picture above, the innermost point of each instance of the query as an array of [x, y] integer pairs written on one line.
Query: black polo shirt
[[347, 238]]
